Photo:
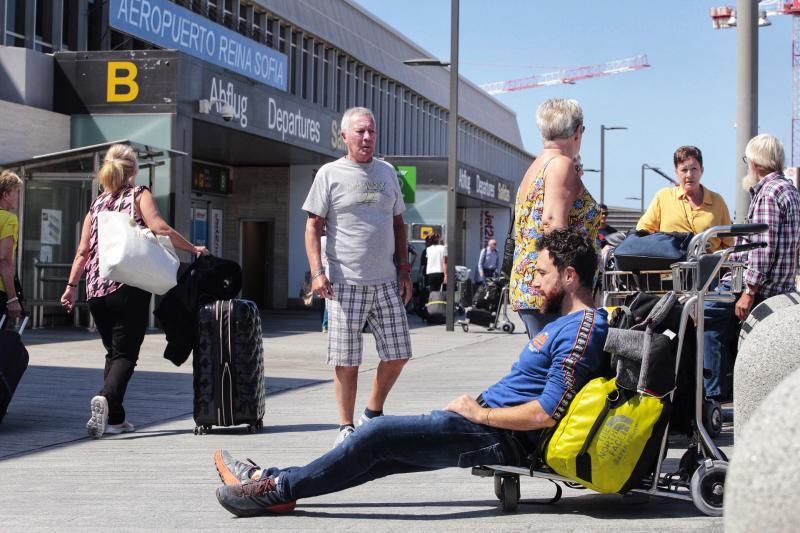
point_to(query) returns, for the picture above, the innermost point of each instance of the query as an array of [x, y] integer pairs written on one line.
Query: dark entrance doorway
[[257, 248]]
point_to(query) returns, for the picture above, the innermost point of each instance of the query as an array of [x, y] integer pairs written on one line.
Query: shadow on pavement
[[51, 404], [588, 504]]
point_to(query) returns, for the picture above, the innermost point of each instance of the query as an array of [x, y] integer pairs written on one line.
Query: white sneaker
[[116, 429], [363, 419], [96, 426], [343, 434]]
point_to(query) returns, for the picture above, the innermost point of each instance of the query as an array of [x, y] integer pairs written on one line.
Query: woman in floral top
[[119, 311], [550, 196]]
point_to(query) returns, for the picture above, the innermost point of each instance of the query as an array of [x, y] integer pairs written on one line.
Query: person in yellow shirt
[[9, 227], [688, 207]]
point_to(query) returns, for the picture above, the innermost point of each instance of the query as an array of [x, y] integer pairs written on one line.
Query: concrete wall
[[260, 193], [28, 131], [301, 177], [26, 77]]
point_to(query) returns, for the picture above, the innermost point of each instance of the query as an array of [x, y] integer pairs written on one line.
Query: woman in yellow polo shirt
[[688, 207], [9, 198]]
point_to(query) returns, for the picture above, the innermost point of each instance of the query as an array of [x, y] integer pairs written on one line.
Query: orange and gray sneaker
[[254, 498], [234, 472]]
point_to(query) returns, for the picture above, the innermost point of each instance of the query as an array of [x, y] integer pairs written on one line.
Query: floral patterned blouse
[[529, 228], [97, 286]]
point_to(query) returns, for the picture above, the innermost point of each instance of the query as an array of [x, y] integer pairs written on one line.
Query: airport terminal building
[[233, 105]]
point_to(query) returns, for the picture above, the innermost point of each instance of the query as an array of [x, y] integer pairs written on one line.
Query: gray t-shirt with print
[[358, 202]]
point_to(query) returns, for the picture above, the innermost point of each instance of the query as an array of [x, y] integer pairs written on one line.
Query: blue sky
[[687, 96]]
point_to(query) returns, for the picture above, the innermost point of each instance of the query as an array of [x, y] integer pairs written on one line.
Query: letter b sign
[[121, 83]]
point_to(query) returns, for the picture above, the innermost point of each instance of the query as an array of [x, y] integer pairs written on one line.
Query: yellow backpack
[[609, 438]]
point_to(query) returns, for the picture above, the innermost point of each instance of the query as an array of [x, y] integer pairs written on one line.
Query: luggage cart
[[496, 317], [696, 280]]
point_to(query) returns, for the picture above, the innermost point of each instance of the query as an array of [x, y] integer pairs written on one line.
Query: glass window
[[307, 74], [44, 26], [15, 18]]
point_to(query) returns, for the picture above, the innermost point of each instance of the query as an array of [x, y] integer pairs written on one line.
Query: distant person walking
[[358, 200], [436, 264], [551, 196], [488, 261], [119, 311], [10, 185]]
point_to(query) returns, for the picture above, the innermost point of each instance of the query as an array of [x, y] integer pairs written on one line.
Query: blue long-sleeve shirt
[[555, 364]]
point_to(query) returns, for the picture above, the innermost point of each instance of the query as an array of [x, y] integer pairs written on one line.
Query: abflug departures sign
[[485, 187], [170, 26], [262, 111]]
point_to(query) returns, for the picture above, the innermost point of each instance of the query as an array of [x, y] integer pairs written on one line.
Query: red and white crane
[[568, 76], [725, 17]]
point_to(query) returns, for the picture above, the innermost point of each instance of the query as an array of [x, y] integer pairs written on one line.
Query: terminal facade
[[233, 107]]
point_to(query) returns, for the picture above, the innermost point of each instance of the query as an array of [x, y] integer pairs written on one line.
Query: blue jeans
[[720, 331], [390, 445], [535, 320]]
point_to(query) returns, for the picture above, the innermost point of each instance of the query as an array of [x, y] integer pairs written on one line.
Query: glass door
[[51, 219]]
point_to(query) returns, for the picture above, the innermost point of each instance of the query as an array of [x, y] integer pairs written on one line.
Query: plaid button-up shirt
[[775, 201]]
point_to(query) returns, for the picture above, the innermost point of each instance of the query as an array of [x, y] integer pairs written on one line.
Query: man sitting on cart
[[500, 427]]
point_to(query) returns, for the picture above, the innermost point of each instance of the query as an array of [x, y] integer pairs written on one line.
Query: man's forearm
[[526, 417], [313, 252]]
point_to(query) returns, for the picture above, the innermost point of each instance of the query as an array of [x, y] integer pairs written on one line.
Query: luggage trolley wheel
[[508, 327], [712, 417], [506, 488], [708, 486]]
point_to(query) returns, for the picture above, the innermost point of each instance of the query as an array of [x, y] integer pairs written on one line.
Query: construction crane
[[568, 76], [725, 17]]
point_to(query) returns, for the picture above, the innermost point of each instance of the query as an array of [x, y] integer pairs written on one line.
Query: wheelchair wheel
[[509, 493], [712, 418], [708, 486]]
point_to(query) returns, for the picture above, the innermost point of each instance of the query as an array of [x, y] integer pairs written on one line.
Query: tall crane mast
[[725, 17], [568, 76]]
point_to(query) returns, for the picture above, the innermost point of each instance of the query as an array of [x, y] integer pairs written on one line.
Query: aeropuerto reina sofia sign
[[170, 26]]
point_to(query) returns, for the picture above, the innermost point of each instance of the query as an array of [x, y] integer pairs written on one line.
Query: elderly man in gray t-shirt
[[358, 200]]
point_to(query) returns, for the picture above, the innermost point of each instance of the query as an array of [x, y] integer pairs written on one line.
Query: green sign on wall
[[407, 176]]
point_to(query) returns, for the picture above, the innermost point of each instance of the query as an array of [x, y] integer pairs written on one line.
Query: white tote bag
[[134, 255]]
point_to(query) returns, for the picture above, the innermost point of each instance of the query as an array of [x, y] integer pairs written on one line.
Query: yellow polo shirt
[[670, 212], [8, 228]]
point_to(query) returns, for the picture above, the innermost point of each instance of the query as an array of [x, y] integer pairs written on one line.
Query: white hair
[[355, 112]]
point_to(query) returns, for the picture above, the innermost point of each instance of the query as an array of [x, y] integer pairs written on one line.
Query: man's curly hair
[[568, 247]]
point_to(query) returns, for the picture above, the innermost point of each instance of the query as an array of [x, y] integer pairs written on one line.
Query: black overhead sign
[[237, 102], [116, 82], [164, 81], [478, 185]]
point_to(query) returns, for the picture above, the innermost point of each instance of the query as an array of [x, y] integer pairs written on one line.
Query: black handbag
[[508, 248], [651, 251]]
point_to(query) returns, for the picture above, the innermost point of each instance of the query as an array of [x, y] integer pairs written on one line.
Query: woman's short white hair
[[766, 151], [355, 112], [558, 118]]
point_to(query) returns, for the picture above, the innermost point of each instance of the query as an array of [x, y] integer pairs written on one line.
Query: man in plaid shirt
[[770, 270]]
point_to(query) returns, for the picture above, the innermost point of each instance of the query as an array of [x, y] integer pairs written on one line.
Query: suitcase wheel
[[202, 430], [255, 428]]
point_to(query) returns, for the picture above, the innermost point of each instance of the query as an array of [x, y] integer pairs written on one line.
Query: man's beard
[[749, 181], [552, 304]]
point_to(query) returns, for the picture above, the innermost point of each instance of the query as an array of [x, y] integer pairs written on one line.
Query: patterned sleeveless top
[[96, 286], [584, 215]]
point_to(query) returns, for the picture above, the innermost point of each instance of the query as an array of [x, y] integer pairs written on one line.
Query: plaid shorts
[[378, 305]]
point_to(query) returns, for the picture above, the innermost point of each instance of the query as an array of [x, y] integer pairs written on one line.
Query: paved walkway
[[54, 478]]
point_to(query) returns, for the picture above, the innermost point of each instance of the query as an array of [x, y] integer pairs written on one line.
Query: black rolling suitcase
[[13, 363], [229, 386]]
